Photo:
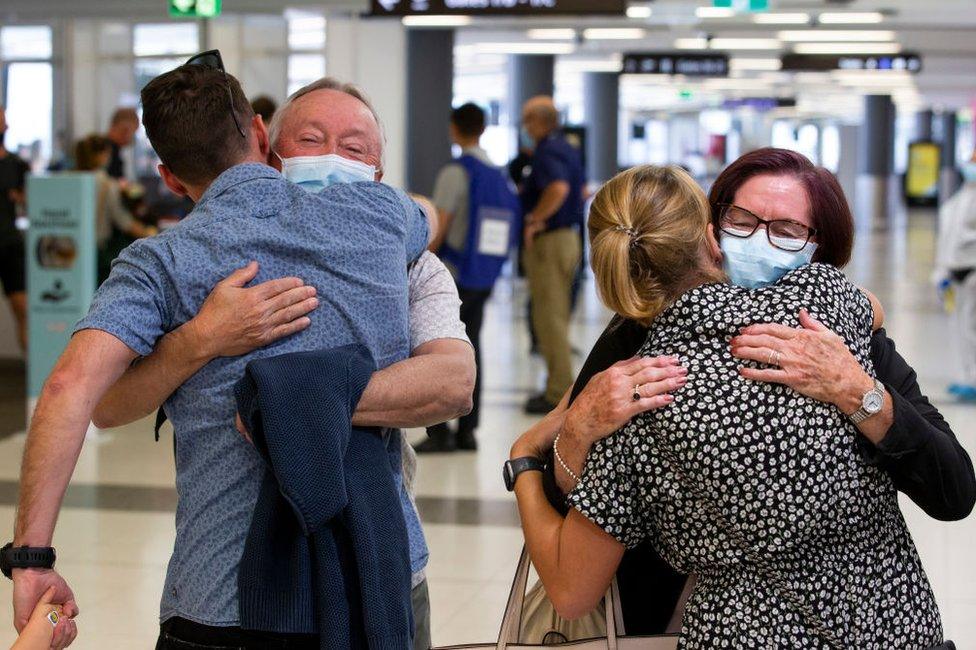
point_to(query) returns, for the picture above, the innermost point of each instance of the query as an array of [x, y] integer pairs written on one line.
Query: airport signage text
[[825, 63], [496, 7], [692, 65]]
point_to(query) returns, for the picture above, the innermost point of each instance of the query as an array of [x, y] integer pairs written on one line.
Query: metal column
[[923, 125], [530, 75], [949, 180], [601, 99], [430, 80], [875, 162]]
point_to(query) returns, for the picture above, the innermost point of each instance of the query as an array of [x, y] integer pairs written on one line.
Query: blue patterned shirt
[[352, 242]]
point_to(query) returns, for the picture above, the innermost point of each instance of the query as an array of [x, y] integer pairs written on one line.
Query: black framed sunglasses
[[784, 234], [211, 59]]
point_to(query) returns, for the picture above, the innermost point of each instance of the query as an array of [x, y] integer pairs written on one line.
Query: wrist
[[194, 341], [851, 397]]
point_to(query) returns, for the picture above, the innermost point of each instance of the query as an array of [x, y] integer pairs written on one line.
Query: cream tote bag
[[527, 620]]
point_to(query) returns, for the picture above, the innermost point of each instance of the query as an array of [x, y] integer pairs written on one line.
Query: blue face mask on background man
[[315, 173], [752, 262]]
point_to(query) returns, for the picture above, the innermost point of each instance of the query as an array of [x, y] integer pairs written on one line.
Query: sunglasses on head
[[211, 59]]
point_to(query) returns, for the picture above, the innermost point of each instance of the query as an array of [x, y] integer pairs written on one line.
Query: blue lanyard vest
[[494, 225]]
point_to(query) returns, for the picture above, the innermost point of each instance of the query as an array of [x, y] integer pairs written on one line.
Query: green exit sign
[[194, 8], [742, 5]]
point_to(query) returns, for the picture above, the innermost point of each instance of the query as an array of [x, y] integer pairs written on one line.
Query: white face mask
[[315, 173]]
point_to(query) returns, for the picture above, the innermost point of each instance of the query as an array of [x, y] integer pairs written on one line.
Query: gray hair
[[325, 83]]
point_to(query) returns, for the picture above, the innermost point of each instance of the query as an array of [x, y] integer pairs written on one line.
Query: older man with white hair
[[326, 134]]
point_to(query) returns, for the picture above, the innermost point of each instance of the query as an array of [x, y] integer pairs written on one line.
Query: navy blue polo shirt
[[556, 160]]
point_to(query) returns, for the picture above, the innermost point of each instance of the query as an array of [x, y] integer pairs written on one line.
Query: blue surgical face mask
[[315, 173], [968, 171], [753, 262]]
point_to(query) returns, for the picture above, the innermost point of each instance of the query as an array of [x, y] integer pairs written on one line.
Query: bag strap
[[776, 579]]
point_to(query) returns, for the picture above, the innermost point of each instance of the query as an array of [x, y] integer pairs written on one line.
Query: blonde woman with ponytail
[[796, 541]]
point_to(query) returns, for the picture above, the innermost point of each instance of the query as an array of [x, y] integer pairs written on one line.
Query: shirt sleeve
[[450, 189], [435, 308], [548, 169], [609, 490], [132, 304], [417, 225], [919, 451]]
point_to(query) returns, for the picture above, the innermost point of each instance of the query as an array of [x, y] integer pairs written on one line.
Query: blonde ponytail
[[648, 229]]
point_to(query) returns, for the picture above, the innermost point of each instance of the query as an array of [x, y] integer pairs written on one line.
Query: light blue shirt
[[352, 242]]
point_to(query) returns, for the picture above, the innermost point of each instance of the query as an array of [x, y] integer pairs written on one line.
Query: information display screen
[[825, 63], [692, 65], [496, 7]]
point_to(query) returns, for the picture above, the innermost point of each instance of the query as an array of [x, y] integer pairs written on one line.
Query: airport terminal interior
[[881, 93]]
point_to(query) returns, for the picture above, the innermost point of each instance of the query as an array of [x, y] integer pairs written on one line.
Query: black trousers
[[473, 315], [181, 634]]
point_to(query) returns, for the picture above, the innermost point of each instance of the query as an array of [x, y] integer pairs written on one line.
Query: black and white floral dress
[[783, 469]]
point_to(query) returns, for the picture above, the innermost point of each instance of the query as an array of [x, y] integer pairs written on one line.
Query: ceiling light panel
[[854, 18], [714, 12], [639, 11], [437, 21], [781, 19], [744, 44], [764, 65], [614, 34], [551, 34], [847, 48], [524, 48], [836, 35]]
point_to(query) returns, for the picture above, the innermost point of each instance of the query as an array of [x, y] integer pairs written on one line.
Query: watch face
[[873, 402]]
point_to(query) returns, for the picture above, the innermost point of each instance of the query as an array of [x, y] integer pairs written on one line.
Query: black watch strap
[[26, 557], [516, 466]]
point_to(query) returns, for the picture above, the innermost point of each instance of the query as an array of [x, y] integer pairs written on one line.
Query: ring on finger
[[636, 396], [774, 358]]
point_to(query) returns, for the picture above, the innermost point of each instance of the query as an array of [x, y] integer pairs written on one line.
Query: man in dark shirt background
[[122, 132], [13, 174], [552, 201]]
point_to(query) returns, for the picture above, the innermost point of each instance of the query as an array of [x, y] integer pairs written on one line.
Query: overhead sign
[[742, 5], [692, 65], [496, 7], [194, 8], [827, 62], [759, 104], [60, 266]]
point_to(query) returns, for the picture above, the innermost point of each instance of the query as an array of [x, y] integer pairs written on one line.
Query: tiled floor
[[114, 541]]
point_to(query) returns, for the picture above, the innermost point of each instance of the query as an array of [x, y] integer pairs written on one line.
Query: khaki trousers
[[550, 265]]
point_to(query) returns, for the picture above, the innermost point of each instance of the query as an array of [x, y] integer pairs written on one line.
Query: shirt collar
[[237, 175]]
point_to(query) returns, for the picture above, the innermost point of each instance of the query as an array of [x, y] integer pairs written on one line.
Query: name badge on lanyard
[[494, 231]]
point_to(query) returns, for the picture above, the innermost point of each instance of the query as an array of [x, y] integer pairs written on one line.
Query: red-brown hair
[[829, 211]]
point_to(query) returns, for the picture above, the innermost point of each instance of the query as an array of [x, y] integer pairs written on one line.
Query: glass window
[[304, 69], [25, 42], [29, 106], [830, 153], [306, 30], [115, 39], [166, 38], [148, 69]]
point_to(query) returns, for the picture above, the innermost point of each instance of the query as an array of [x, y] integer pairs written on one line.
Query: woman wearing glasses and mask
[[773, 211]]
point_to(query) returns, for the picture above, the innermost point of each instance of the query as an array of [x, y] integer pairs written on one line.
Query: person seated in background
[[115, 227], [352, 241]]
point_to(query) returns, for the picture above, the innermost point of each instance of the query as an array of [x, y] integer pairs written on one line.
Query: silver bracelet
[[559, 459]]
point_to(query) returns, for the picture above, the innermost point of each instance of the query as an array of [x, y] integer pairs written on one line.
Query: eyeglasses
[[784, 234], [211, 59]]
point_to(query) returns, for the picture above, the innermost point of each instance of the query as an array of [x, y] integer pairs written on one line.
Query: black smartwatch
[[26, 557], [516, 466]]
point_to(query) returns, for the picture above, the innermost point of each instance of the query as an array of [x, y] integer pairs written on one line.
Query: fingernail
[[668, 398], [682, 371]]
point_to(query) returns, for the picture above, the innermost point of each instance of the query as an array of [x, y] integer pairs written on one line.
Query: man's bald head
[[540, 117]]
